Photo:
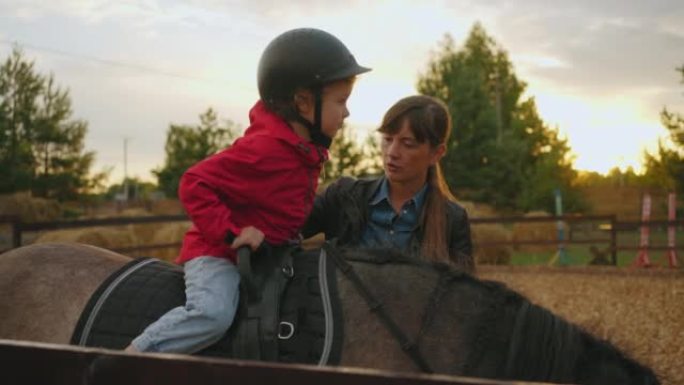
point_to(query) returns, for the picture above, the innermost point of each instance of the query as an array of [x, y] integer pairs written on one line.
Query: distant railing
[[19, 227], [609, 224]]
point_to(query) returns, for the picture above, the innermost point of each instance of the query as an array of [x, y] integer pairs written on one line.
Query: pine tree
[[41, 147], [187, 145], [500, 152], [349, 158], [666, 168]]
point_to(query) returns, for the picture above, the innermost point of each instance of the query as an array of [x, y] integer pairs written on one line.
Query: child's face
[[333, 107]]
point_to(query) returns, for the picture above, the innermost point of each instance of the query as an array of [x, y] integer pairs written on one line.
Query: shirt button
[[391, 232], [404, 211]]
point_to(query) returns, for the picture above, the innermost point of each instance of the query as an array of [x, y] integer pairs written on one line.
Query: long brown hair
[[430, 122]]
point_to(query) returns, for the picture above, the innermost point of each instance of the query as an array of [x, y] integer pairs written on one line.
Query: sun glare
[[602, 133]]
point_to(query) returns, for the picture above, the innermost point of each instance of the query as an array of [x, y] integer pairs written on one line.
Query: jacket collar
[[264, 122]]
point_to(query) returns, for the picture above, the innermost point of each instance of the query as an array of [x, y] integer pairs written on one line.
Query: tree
[[137, 189], [187, 145], [372, 157], [41, 147], [666, 168], [501, 152], [615, 177], [348, 158]]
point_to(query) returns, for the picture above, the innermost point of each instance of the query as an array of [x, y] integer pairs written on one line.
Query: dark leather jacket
[[342, 212]]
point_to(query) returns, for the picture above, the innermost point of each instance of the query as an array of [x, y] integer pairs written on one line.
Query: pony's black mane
[[542, 347]]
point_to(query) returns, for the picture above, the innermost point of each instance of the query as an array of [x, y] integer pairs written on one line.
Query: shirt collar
[[382, 193], [419, 198]]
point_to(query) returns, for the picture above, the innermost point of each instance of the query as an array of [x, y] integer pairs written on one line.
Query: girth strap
[[256, 337], [408, 346]]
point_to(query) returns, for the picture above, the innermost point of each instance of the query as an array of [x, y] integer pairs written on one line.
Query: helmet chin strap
[[315, 132]]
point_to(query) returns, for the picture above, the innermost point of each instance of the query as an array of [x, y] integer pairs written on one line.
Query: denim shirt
[[386, 227]]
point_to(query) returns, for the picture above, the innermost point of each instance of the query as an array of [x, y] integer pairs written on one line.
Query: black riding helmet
[[307, 58]]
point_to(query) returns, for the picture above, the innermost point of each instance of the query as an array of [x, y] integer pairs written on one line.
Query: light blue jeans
[[212, 294]]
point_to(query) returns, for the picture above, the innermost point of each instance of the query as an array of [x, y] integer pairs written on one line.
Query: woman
[[410, 207]]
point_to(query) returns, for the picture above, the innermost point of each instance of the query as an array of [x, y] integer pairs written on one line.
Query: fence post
[[560, 256], [642, 259], [671, 252], [613, 239], [16, 232]]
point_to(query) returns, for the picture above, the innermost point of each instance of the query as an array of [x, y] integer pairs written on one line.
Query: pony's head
[[615, 366], [546, 347], [503, 334]]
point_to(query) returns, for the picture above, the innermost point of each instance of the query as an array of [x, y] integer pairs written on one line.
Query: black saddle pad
[[146, 288]]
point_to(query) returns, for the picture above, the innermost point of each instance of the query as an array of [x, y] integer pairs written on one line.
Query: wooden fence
[[18, 228], [609, 225], [40, 363]]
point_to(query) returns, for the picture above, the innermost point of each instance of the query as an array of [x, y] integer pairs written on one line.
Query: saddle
[[289, 308]]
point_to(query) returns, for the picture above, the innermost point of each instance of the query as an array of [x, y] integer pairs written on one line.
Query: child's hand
[[250, 236]]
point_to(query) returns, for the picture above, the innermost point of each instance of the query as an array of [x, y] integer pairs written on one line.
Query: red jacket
[[266, 179]]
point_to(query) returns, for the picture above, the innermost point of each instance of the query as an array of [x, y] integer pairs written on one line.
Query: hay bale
[[537, 231], [132, 212], [144, 232], [166, 233], [111, 238], [487, 233], [478, 210], [494, 254], [129, 236], [28, 208], [167, 207]]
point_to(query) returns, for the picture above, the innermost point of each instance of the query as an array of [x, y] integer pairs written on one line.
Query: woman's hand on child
[[249, 236]]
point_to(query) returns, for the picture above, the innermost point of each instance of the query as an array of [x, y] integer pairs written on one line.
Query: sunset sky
[[600, 71]]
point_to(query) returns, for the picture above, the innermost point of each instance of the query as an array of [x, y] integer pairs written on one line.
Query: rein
[[411, 348]]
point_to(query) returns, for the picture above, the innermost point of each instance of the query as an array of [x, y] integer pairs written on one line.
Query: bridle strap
[[408, 346], [431, 308]]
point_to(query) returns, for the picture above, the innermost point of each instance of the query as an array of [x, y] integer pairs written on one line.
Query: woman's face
[[406, 161]]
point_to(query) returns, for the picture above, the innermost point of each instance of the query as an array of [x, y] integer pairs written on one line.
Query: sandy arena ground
[[639, 310]]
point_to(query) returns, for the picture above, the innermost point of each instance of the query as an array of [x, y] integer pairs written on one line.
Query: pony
[[433, 316]]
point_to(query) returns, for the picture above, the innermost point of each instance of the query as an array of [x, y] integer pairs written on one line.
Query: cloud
[[91, 11], [605, 47], [584, 52]]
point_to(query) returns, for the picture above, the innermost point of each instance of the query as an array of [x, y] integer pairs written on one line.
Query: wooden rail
[[612, 229], [40, 363], [19, 227]]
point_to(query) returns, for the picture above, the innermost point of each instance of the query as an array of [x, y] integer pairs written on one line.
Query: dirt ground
[[640, 311]]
